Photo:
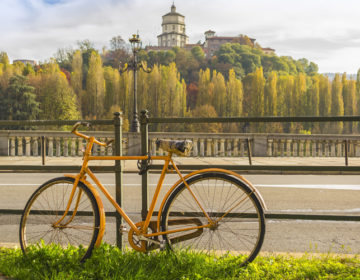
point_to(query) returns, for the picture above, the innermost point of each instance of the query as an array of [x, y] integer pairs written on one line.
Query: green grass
[[108, 262]]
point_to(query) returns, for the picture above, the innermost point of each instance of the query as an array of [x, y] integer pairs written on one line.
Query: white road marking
[[291, 186], [325, 187]]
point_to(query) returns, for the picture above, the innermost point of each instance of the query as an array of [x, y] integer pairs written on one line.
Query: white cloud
[[324, 31]]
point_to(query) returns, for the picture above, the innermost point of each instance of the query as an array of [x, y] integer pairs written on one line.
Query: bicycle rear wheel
[[239, 226], [47, 205]]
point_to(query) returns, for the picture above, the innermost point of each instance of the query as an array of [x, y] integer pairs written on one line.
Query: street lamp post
[[135, 66]]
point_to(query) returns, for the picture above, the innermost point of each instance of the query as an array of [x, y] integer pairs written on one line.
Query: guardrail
[[145, 121]]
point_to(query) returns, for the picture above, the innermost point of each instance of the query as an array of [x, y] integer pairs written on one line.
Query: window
[[173, 27]]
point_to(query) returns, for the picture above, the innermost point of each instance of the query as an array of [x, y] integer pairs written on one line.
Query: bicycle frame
[[143, 230]]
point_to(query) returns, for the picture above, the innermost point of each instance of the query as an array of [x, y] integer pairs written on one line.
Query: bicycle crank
[[141, 243]]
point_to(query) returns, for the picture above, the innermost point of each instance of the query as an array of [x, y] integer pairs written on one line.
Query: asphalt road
[[312, 194]]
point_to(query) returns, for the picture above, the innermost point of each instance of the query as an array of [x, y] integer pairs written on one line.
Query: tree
[[350, 103], [205, 111], [254, 96], [219, 95], [206, 88], [112, 88], [270, 92], [19, 101], [234, 96], [93, 100], [58, 100], [117, 43], [77, 73], [118, 53], [198, 53], [314, 102], [6, 70], [337, 105], [64, 57]]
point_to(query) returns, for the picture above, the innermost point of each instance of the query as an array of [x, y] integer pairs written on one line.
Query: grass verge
[[108, 262]]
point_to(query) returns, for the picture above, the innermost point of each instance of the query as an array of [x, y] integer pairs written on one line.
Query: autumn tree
[[117, 54], [234, 96], [93, 100], [350, 103], [337, 104], [112, 88], [6, 70], [205, 88], [254, 96], [219, 94], [77, 72], [205, 111]]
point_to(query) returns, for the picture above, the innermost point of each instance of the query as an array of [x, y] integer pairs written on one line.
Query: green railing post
[[144, 129], [118, 175]]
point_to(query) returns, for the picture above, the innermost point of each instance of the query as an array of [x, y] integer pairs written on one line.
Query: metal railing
[[144, 134]]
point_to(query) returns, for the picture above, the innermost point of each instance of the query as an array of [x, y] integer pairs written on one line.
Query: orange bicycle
[[211, 210]]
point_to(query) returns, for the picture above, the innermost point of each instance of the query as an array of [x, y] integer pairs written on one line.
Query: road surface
[[313, 194]]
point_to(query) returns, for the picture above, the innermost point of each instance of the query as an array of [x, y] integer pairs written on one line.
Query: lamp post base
[[135, 125]]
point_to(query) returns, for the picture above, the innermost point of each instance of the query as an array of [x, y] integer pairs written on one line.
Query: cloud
[[319, 30]]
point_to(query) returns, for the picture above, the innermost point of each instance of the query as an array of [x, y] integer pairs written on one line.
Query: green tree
[[198, 54], [18, 101]]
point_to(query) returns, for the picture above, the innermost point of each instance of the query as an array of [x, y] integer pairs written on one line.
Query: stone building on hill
[[173, 30], [173, 35]]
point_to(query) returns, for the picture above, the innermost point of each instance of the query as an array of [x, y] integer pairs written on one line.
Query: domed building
[[173, 30]]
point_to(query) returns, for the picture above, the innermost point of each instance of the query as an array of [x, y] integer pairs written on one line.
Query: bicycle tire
[[47, 205], [241, 232]]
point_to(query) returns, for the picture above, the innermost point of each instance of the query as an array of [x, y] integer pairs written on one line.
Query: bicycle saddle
[[179, 147]]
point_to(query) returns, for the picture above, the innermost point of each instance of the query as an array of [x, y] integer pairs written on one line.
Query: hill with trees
[[239, 80]]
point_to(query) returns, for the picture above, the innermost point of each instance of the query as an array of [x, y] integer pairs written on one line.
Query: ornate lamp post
[[135, 66]]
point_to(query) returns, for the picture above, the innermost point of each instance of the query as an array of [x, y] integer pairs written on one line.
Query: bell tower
[[173, 30]]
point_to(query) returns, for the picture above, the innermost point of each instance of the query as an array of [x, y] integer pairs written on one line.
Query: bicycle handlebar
[[86, 137]]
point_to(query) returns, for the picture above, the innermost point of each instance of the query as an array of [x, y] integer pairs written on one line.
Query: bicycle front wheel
[[46, 207], [237, 219]]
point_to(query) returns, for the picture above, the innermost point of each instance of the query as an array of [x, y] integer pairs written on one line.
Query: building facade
[[173, 30]]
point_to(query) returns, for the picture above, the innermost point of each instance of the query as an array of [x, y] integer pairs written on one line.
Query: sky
[[326, 32]]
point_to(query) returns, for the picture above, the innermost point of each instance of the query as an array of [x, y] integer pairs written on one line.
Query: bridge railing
[[63, 144]]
